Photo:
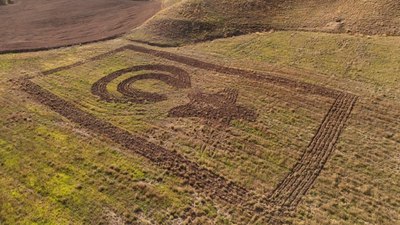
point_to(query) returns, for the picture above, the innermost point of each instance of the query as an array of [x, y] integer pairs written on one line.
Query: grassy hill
[[198, 20]]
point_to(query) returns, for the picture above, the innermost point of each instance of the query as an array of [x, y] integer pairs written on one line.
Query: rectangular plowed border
[[281, 201]]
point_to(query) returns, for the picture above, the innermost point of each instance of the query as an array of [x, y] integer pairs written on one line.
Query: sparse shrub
[[102, 188]]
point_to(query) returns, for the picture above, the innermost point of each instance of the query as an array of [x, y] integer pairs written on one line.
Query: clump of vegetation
[[6, 2]]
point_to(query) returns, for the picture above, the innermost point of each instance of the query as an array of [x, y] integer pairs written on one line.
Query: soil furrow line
[[176, 77], [200, 178], [305, 87], [297, 183], [309, 164], [331, 145], [316, 162], [309, 150], [288, 193]]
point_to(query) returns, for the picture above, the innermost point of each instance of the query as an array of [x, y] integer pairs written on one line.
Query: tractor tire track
[[295, 185]]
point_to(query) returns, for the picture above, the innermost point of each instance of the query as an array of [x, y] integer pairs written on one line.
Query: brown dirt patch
[[170, 75], [301, 178], [220, 107], [41, 24]]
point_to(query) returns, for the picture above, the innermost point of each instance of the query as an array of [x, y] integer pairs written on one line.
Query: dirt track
[[41, 24], [276, 204], [301, 178], [263, 77]]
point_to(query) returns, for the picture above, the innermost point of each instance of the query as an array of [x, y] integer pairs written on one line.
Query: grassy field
[[61, 173], [54, 172], [361, 180]]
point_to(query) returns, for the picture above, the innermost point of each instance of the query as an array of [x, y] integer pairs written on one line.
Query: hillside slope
[[197, 20]]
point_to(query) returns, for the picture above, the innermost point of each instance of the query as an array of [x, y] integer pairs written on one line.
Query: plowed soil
[[263, 77], [282, 200], [170, 75], [289, 192], [220, 107], [200, 178], [42, 24]]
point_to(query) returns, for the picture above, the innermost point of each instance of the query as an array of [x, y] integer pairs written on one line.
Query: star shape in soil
[[218, 107]]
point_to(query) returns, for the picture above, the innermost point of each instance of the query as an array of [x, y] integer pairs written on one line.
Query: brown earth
[[219, 107], [263, 77], [41, 24], [301, 178], [176, 77]]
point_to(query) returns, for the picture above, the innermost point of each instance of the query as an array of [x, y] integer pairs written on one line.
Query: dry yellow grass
[[199, 20], [54, 171]]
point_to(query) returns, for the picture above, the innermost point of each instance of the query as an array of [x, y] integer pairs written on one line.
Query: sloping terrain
[[279, 127], [81, 125], [359, 183], [41, 24], [196, 20]]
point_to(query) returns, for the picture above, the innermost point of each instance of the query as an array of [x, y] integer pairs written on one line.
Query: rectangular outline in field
[[285, 197]]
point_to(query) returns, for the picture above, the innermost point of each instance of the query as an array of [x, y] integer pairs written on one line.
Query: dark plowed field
[[42, 24]]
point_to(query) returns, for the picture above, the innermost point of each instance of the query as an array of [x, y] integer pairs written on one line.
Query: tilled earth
[[42, 24], [273, 206]]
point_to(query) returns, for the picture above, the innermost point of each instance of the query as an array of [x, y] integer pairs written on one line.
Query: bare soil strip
[[176, 77], [41, 24], [279, 202], [265, 77]]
